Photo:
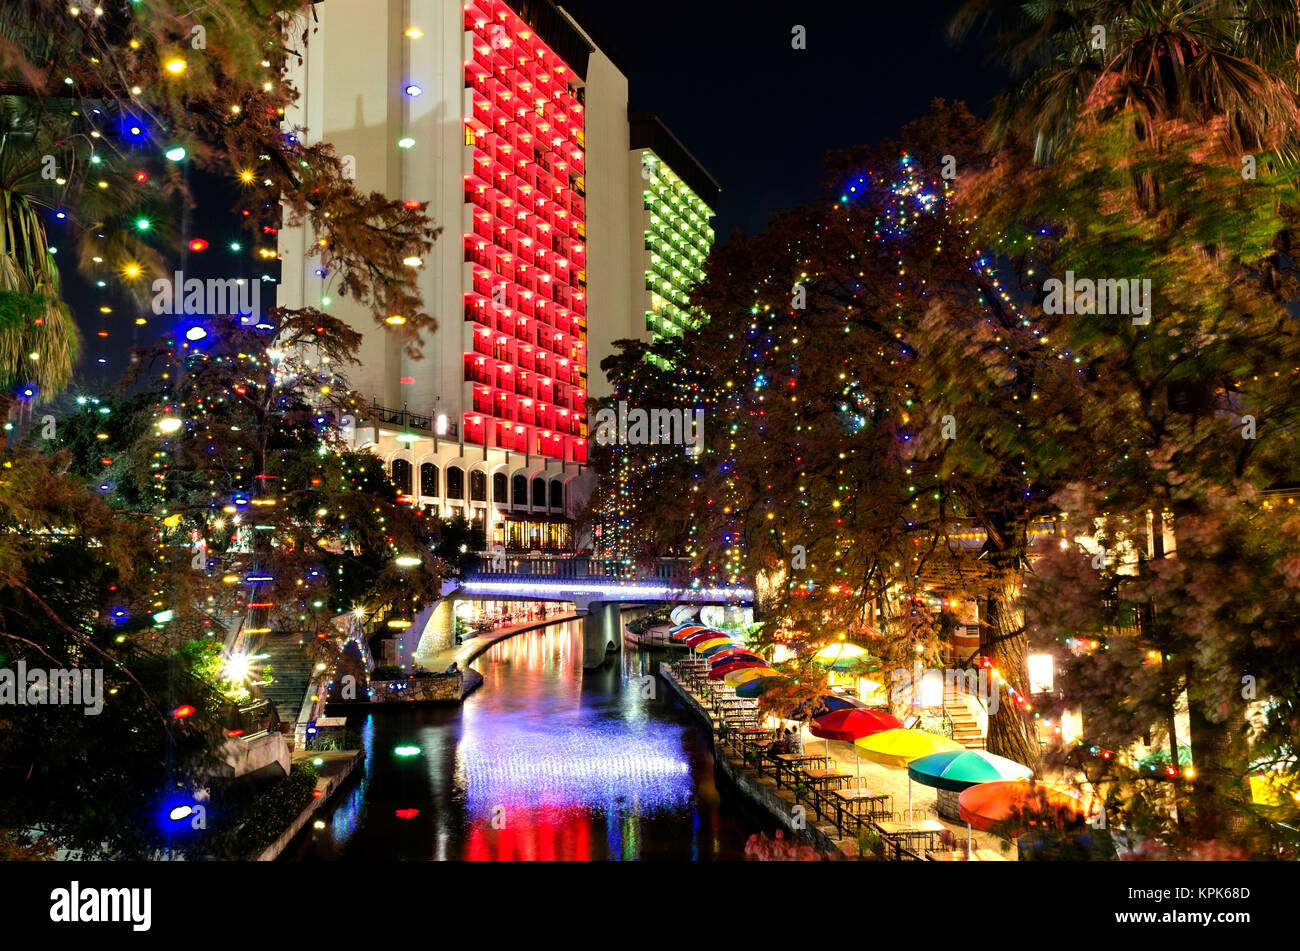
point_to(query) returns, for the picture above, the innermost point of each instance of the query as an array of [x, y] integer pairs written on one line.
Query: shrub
[[254, 822]]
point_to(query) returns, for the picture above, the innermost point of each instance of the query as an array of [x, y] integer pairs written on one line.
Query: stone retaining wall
[[780, 803]]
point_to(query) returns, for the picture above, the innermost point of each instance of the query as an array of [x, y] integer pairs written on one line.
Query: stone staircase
[[965, 728], [291, 671]]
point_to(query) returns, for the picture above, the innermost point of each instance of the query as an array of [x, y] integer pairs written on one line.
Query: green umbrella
[[956, 770]]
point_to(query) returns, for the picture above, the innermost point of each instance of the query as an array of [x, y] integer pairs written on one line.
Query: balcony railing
[[405, 419]]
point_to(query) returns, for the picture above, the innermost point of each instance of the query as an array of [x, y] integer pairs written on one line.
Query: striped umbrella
[[733, 653], [714, 649], [704, 646], [721, 671], [754, 688], [745, 674]]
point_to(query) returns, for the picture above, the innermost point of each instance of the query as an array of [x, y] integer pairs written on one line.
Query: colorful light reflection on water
[[542, 762]]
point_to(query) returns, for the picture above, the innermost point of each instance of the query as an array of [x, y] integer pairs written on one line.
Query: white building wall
[[609, 315]]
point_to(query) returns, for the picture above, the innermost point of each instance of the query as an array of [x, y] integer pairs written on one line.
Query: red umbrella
[[717, 673], [851, 723], [686, 632], [1023, 802], [699, 637]]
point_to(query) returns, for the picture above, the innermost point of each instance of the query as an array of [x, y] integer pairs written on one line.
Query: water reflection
[[543, 762]]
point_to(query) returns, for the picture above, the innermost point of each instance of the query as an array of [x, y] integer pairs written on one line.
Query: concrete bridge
[[597, 588]]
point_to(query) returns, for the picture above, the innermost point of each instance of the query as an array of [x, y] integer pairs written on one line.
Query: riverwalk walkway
[[476, 644]]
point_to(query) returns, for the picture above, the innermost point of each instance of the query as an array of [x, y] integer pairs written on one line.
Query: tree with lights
[[265, 517], [1175, 130], [75, 596], [1191, 412], [117, 106], [889, 396], [626, 509]]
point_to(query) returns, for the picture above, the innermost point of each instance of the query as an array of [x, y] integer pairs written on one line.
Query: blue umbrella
[[826, 703]]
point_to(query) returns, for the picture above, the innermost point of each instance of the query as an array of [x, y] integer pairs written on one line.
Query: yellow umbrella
[[712, 642], [900, 747], [745, 675], [838, 650]]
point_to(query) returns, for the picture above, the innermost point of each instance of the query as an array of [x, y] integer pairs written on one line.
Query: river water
[[544, 761]]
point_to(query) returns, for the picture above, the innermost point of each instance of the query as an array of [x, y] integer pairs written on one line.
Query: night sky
[[759, 115]]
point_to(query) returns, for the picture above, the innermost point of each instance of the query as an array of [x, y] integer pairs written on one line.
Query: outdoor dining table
[[821, 781], [747, 736], [824, 777], [793, 761], [925, 831], [860, 804]]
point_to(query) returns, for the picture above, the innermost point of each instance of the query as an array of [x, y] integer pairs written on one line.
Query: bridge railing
[[667, 571]]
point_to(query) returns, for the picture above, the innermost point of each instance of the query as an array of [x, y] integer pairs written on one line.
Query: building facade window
[[477, 485], [539, 493], [499, 486], [455, 483], [519, 492], [557, 494], [428, 479], [401, 470]]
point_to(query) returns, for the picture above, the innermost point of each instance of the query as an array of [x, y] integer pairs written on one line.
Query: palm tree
[[1190, 60], [39, 339]]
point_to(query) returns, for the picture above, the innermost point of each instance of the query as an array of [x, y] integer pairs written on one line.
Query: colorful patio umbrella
[[824, 704], [745, 674], [989, 805], [686, 630], [712, 642], [900, 747], [716, 649], [700, 637], [851, 723], [754, 688], [721, 671], [843, 656], [733, 653], [958, 770]]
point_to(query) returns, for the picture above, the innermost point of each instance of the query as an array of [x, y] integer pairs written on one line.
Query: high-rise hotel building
[[567, 225]]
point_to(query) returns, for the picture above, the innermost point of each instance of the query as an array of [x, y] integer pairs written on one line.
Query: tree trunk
[[1219, 761], [1004, 641]]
